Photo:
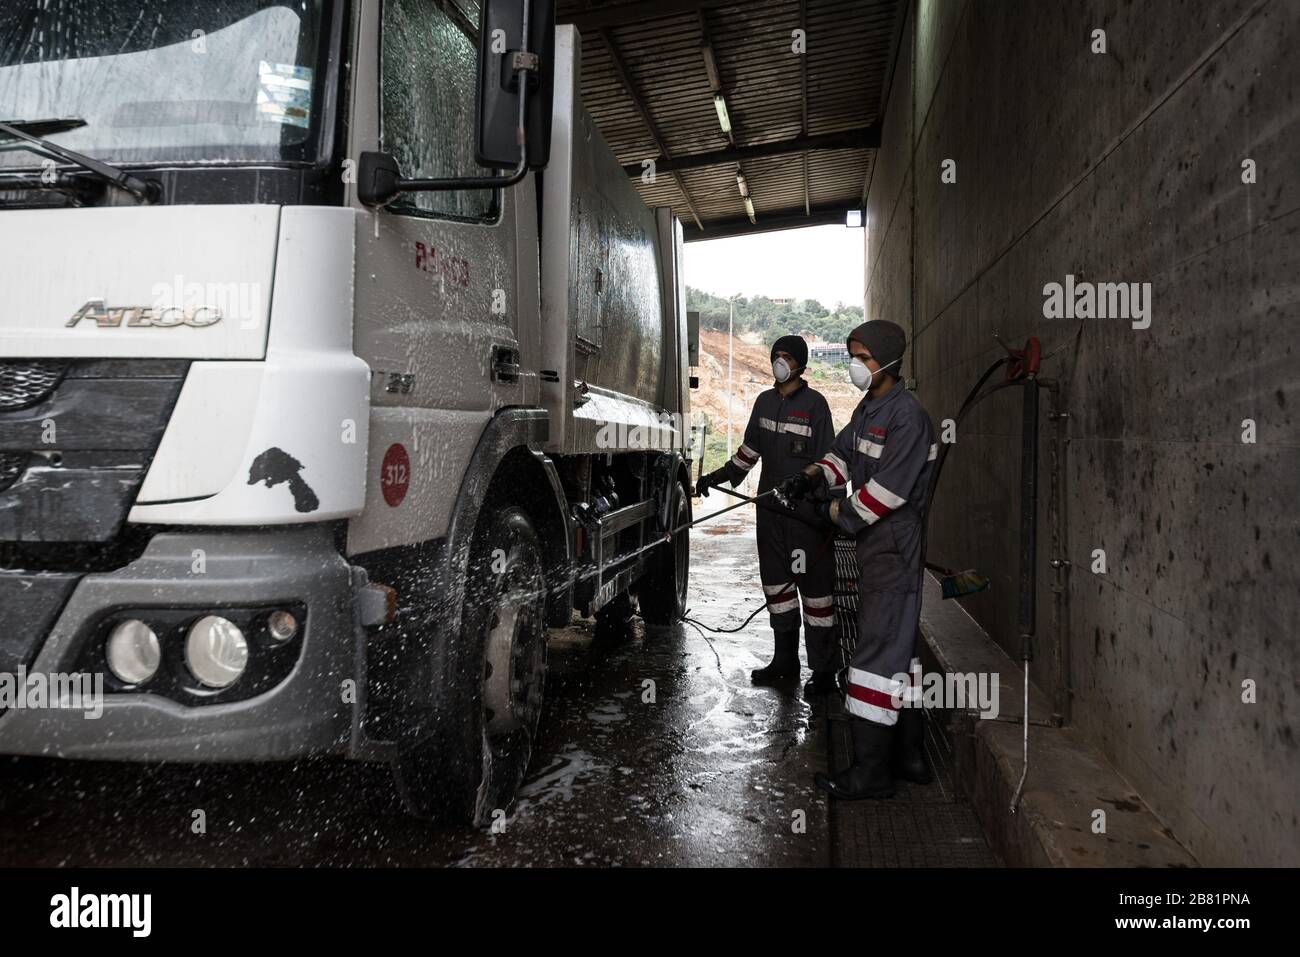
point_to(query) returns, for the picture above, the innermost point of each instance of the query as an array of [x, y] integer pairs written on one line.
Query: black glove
[[794, 488], [712, 480]]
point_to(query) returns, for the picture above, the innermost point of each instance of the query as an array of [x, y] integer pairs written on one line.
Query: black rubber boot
[[868, 776], [821, 682], [909, 747], [785, 660]]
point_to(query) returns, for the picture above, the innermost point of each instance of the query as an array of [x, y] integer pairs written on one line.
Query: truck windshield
[[165, 81]]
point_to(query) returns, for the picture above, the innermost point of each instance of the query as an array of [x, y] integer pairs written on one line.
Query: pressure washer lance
[[954, 584], [681, 528], [776, 494], [747, 501]]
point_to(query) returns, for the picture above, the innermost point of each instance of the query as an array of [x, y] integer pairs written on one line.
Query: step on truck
[[339, 359]]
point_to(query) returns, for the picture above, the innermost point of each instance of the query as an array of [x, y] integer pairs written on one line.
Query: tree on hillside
[[771, 319]]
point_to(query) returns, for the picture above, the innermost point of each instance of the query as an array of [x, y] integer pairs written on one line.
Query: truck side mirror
[[499, 60]]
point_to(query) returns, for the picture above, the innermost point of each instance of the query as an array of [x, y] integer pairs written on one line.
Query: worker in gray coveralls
[[888, 452], [790, 428]]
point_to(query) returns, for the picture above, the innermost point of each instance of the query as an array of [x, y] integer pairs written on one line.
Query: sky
[[818, 262]]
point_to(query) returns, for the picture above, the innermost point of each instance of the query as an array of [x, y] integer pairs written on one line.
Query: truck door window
[[428, 73]]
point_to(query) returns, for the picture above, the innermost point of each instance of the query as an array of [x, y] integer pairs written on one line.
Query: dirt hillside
[[752, 373]]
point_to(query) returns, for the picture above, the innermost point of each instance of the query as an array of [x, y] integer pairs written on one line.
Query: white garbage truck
[[338, 359]]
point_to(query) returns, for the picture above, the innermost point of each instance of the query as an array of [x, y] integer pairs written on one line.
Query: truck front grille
[[76, 438], [25, 383]]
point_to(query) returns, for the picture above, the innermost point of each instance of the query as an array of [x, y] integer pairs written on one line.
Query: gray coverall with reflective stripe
[[888, 452], [796, 560]]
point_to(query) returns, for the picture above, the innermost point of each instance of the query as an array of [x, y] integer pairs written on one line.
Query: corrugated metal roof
[[656, 49]]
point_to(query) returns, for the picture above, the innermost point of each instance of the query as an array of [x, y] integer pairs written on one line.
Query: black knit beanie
[[886, 343], [795, 345]]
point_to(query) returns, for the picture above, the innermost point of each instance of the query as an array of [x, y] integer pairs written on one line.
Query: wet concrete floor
[[654, 750]]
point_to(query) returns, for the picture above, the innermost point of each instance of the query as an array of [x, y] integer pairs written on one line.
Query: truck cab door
[[437, 273]]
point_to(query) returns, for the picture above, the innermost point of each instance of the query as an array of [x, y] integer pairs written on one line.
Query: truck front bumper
[[308, 712]]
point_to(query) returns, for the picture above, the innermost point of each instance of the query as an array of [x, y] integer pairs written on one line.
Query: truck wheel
[[663, 588], [476, 765]]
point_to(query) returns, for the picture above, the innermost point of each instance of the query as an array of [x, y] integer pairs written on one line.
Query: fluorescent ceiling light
[[720, 104]]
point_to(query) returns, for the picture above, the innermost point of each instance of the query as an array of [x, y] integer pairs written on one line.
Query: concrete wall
[[1124, 166]]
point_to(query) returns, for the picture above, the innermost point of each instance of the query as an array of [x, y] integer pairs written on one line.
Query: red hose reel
[[1024, 362]]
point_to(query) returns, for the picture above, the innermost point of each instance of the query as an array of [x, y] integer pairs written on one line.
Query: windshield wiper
[[46, 127], [147, 190]]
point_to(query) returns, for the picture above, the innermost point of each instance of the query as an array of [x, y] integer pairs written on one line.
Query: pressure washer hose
[[973, 398]]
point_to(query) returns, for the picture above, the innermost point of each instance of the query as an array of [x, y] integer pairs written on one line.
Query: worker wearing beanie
[[789, 428], [888, 452]]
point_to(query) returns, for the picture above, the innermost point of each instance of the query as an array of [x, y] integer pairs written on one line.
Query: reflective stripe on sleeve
[[834, 470], [745, 458]]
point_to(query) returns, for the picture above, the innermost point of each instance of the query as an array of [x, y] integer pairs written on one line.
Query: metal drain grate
[[27, 383]]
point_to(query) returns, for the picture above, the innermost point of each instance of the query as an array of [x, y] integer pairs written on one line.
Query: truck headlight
[[216, 651], [133, 652]]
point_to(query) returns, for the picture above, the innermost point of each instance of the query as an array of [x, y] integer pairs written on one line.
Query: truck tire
[[475, 764], [662, 591]]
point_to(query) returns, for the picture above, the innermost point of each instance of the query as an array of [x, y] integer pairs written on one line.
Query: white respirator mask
[[862, 377], [781, 370]]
